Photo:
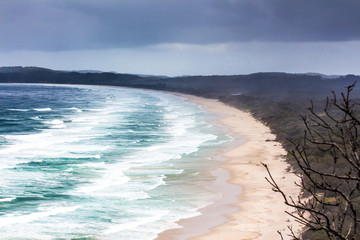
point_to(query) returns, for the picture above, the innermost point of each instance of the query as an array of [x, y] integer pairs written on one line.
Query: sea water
[[90, 162]]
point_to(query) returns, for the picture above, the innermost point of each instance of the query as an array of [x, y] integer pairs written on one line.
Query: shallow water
[[87, 162]]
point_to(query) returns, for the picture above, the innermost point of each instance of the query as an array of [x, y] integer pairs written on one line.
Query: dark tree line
[[329, 205]]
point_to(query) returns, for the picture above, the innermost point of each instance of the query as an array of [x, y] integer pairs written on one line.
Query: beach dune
[[258, 212]]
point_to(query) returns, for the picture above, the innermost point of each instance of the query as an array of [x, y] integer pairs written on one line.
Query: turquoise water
[[86, 162]]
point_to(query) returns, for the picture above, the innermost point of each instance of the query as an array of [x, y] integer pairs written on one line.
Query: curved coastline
[[256, 213]]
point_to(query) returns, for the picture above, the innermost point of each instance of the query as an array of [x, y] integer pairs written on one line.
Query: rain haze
[[182, 37]]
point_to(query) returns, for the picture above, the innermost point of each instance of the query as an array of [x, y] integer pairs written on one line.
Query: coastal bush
[[328, 166]]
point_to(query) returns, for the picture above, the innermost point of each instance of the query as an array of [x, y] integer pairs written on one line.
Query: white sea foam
[[127, 196], [78, 155], [56, 142], [19, 110], [7, 199], [135, 224], [156, 171], [92, 164], [56, 123], [75, 109], [171, 150], [35, 118], [28, 137], [110, 180], [42, 109], [10, 219]]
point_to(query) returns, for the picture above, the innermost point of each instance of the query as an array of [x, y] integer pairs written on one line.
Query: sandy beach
[[256, 213]]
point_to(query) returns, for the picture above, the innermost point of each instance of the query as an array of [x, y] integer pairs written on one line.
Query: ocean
[[92, 162]]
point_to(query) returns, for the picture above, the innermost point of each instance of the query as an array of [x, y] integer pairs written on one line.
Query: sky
[[182, 37]]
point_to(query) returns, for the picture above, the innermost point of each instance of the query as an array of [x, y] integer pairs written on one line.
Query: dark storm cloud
[[93, 24]]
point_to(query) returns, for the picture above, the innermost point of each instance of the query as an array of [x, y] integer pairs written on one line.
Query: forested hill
[[277, 85], [43, 75]]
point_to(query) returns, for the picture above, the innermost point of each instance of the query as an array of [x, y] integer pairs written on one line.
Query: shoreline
[[256, 213]]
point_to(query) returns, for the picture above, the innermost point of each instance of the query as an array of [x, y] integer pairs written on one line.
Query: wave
[[42, 109], [135, 224], [36, 118], [124, 160], [19, 110], [115, 184], [110, 180], [7, 199], [92, 164], [75, 109], [56, 123], [10, 219], [173, 149]]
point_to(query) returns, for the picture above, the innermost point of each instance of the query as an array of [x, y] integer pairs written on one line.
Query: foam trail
[[75, 109], [42, 109], [7, 199], [10, 220], [19, 110], [133, 225]]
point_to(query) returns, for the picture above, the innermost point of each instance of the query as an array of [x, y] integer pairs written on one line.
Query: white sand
[[260, 212]]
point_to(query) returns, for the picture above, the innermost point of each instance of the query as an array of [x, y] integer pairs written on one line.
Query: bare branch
[[333, 191]]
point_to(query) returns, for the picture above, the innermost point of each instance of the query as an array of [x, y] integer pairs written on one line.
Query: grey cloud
[[91, 24]]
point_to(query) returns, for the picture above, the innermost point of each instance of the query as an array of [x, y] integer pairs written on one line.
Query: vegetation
[[328, 167]]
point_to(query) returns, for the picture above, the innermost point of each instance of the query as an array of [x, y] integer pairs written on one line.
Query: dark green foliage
[[42, 75]]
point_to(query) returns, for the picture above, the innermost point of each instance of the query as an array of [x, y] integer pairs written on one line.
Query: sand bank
[[256, 213]]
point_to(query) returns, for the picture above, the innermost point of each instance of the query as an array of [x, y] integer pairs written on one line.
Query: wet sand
[[257, 212]]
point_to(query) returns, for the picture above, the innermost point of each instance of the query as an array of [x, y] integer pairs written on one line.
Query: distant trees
[[328, 167]]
